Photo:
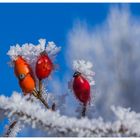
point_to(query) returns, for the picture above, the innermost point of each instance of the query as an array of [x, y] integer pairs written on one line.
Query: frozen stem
[[9, 130], [40, 86], [39, 96], [84, 111]]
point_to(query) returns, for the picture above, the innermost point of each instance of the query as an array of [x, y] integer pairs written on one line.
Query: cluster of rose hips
[[43, 69]]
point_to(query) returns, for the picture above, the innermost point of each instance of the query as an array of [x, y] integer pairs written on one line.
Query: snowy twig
[[127, 122], [38, 95], [9, 130], [13, 129]]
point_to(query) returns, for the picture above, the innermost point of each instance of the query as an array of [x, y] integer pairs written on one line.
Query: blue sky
[[21, 23]]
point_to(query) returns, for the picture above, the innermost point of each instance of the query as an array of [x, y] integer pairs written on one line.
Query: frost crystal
[[30, 52], [85, 68]]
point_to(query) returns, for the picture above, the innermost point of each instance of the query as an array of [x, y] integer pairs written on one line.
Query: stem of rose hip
[[39, 96], [84, 110], [53, 107], [40, 86], [44, 102]]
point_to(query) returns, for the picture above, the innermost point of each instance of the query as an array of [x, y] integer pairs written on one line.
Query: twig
[[44, 102], [39, 96], [84, 110], [40, 86], [11, 126]]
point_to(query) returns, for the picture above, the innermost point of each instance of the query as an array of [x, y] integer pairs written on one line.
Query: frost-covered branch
[[126, 124]]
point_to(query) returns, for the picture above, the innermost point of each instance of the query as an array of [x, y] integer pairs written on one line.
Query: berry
[[44, 66], [81, 88]]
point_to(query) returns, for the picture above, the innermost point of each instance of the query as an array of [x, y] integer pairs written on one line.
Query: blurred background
[[106, 34]]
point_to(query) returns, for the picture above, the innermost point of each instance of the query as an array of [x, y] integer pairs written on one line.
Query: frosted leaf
[[85, 68]]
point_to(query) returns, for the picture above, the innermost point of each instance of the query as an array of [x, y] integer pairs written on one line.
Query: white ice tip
[[85, 67]]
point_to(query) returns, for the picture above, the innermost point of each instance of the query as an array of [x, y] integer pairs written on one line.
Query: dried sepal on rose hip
[[24, 74]]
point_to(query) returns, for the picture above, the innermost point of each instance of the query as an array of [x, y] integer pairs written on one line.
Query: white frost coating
[[85, 68], [30, 51], [129, 119], [52, 49], [127, 122]]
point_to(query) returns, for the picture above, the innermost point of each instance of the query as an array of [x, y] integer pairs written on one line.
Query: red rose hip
[[81, 88], [44, 66]]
